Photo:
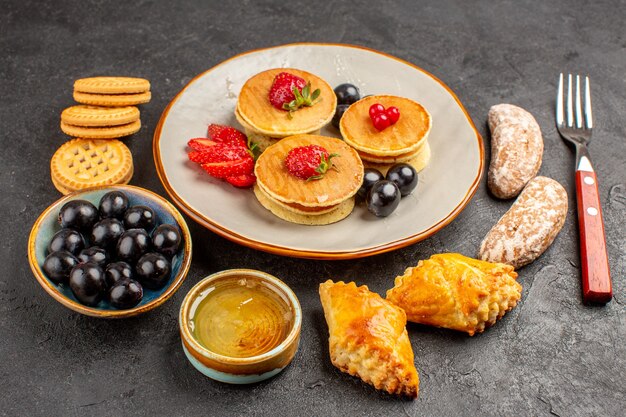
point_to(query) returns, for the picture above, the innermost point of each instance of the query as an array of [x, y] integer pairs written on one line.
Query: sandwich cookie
[[113, 100], [268, 106], [92, 116], [324, 198], [84, 163], [101, 132], [112, 91], [404, 140], [112, 85]]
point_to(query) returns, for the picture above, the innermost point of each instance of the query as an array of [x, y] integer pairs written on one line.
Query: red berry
[[230, 168], [281, 91], [308, 162], [201, 144], [375, 109], [381, 122], [242, 181], [220, 152], [393, 113], [227, 134]]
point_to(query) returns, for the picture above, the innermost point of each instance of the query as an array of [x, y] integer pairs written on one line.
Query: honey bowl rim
[[293, 305]]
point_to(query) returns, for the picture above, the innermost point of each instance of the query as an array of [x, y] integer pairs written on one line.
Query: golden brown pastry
[[454, 291], [368, 338]]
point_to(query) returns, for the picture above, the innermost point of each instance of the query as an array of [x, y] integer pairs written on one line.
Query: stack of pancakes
[[405, 141], [264, 124], [314, 202]]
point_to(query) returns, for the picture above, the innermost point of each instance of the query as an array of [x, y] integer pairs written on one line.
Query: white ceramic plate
[[445, 186]]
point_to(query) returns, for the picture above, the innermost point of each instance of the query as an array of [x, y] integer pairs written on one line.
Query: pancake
[[419, 161], [263, 141], [337, 185], [339, 213], [405, 157], [403, 137], [297, 208], [255, 111]]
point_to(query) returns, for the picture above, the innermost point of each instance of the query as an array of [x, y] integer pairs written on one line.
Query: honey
[[241, 317]]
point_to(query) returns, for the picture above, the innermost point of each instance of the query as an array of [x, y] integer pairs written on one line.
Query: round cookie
[[66, 191], [342, 211], [108, 132], [112, 85], [112, 99], [90, 116], [84, 163], [405, 136], [255, 111]]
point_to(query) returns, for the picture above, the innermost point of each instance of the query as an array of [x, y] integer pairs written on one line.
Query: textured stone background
[[551, 355]]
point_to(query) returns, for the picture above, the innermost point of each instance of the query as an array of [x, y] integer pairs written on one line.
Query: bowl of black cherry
[[110, 252]]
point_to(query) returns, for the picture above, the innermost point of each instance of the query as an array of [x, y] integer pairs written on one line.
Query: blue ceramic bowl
[[47, 225]]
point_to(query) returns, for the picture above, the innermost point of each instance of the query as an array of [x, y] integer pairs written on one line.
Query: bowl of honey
[[240, 326]]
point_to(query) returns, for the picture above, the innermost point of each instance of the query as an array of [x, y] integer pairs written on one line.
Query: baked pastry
[[368, 338], [456, 292], [310, 202], [516, 150], [404, 141], [265, 123], [529, 227]]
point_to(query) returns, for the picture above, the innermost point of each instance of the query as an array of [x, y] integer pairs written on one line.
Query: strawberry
[[242, 181], [226, 154], [227, 134], [229, 168], [201, 144], [290, 92], [219, 152], [309, 162]]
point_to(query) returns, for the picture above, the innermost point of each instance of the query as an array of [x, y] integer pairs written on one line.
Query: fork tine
[[588, 116], [570, 110], [559, 102], [579, 109]]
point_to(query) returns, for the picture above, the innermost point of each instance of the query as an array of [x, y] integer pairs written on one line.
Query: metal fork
[[575, 124]]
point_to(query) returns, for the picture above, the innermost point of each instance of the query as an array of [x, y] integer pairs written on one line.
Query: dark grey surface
[[550, 355]]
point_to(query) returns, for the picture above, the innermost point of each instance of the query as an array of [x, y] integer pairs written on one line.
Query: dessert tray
[[445, 186]]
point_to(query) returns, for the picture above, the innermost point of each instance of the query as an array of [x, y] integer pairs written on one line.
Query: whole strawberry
[[309, 162], [290, 92]]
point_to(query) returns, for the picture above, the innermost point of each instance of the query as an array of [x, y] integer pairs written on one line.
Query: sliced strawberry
[[220, 152], [200, 157], [230, 168], [242, 181], [201, 144], [227, 134]]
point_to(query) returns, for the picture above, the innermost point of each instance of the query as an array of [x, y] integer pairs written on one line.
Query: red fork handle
[[593, 255]]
